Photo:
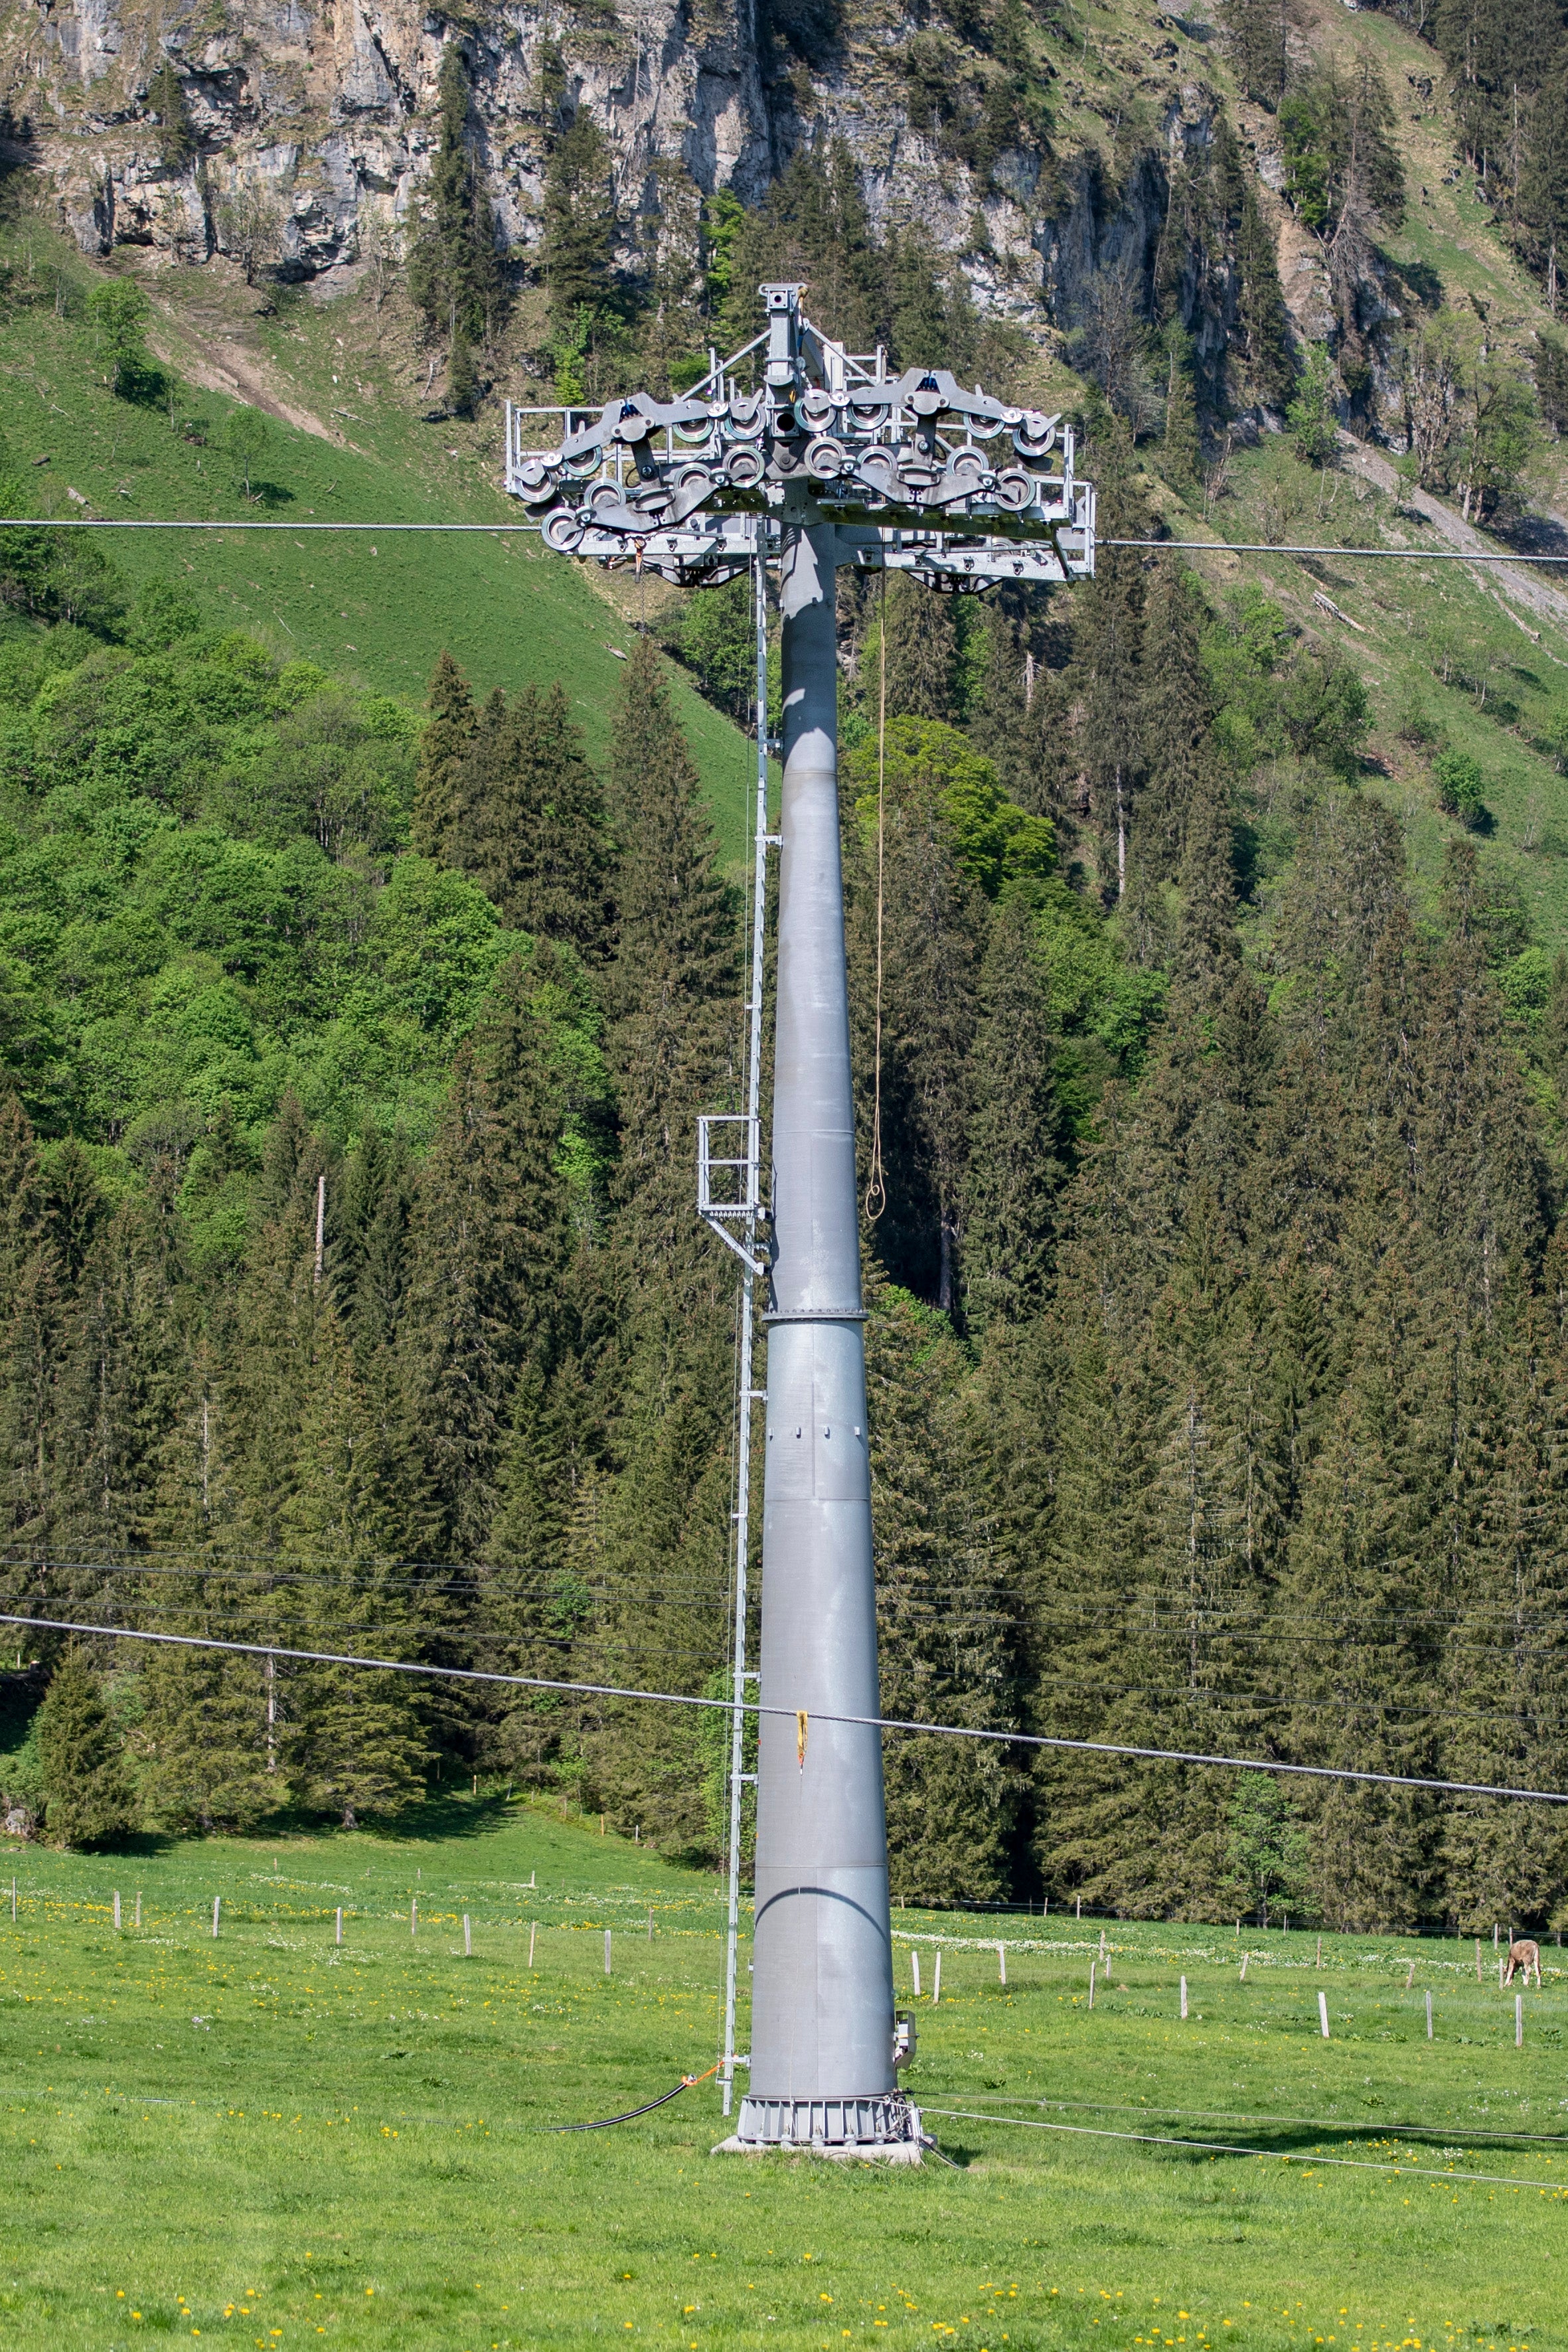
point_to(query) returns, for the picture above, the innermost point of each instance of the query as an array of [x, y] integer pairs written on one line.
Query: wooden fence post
[[117, 1910], [1184, 1997], [1091, 1968], [468, 1938], [936, 1981], [1001, 1963], [533, 1930], [339, 1922], [1323, 2013], [606, 1951], [915, 1966], [216, 1902]]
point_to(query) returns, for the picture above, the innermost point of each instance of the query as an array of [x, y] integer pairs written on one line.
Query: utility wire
[[756, 1706], [136, 522], [1176, 1695], [1377, 554], [1167, 1618], [1165, 1615], [513, 530]]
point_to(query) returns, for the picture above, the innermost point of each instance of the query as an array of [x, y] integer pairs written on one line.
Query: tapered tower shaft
[[822, 1992]]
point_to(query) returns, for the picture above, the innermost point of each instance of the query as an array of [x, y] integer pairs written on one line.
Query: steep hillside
[[375, 612], [1040, 181]]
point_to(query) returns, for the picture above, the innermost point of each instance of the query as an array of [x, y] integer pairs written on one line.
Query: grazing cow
[[1525, 1955]]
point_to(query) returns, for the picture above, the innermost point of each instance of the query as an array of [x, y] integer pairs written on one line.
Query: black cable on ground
[[687, 2082]]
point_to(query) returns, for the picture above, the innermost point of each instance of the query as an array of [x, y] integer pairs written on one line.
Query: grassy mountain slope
[[374, 612], [1456, 656]]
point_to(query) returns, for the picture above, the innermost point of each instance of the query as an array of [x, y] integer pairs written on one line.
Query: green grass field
[[269, 2141]]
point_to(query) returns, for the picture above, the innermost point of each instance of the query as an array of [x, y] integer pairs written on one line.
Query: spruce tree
[[1180, 454], [487, 1247], [1180, 752], [675, 1044], [87, 1789], [1016, 1159], [1206, 945], [176, 132], [370, 1240], [1506, 1698], [31, 1319], [1478, 1170], [275, 1317], [922, 654], [453, 270], [118, 1378], [539, 849], [205, 1730], [444, 745], [534, 1596], [1364, 1574], [1107, 650], [1257, 29], [1265, 323], [472, 842], [948, 1633], [577, 257], [351, 1739], [1098, 1820]]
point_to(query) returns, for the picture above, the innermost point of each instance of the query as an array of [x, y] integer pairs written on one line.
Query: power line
[[1169, 1617], [1352, 554], [516, 530], [586, 1638], [137, 522], [756, 1706]]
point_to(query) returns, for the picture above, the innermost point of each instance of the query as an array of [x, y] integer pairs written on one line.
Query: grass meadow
[[266, 2140]]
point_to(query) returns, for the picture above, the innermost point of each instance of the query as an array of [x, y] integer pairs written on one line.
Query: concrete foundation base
[[885, 2129]]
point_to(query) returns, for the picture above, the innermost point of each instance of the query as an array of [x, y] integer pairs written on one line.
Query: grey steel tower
[[831, 461]]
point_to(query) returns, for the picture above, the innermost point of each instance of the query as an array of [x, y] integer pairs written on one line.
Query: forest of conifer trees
[[1219, 1350], [1218, 1347]]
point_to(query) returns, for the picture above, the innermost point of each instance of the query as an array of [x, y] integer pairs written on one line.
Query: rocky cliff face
[[324, 109]]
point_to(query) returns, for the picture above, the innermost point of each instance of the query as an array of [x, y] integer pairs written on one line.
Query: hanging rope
[[876, 1191]]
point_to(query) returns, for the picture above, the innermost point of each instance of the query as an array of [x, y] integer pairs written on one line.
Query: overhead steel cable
[[1215, 1623], [756, 1706], [520, 530], [1376, 554], [211, 522]]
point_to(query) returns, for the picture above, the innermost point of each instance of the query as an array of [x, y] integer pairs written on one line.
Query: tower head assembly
[[921, 475]]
